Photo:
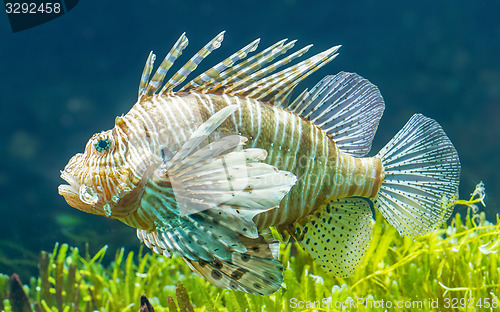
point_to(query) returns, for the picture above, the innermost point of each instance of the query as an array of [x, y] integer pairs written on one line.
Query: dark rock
[[17, 297], [146, 305]]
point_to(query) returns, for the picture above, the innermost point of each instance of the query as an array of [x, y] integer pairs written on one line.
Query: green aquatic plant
[[453, 269]]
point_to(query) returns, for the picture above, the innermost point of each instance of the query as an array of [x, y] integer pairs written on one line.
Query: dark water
[[67, 79]]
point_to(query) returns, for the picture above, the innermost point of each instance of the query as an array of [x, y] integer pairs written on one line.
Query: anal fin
[[337, 235]]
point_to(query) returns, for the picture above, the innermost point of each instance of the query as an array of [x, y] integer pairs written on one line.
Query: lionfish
[[210, 169]]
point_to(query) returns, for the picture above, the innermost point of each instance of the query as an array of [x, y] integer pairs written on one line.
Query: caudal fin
[[422, 173]]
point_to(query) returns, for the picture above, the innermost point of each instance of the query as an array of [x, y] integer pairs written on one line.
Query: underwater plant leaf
[[137, 279], [183, 298], [292, 284], [4, 288], [6, 305], [45, 306], [383, 245], [276, 304], [88, 261], [71, 274], [129, 278], [118, 261], [232, 301], [61, 257], [172, 307], [43, 268], [205, 298], [244, 301], [38, 309]]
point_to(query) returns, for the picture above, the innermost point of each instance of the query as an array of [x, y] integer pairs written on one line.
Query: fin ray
[[249, 66], [238, 76], [422, 172], [269, 69], [191, 65], [347, 107], [208, 77], [276, 88], [145, 74], [165, 65]]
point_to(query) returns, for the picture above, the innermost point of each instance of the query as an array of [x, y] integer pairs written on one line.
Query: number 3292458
[[455, 303], [32, 8]]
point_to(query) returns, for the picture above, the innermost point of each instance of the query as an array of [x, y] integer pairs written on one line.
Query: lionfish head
[[103, 180]]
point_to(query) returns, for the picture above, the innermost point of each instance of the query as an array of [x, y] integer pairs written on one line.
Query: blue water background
[[67, 79]]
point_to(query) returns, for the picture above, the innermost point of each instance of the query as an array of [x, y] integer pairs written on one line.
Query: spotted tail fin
[[422, 173]]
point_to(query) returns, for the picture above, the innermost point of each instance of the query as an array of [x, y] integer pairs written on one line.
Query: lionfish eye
[[102, 145]]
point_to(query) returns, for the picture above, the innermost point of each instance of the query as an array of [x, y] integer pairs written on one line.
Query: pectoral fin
[[255, 271], [218, 190]]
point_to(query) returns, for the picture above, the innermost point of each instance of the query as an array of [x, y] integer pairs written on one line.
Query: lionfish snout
[[77, 193], [70, 189]]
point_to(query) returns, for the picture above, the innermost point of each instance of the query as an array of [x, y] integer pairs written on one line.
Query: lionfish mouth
[[73, 186], [75, 192]]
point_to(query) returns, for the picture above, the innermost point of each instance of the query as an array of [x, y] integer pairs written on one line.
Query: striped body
[[293, 144]]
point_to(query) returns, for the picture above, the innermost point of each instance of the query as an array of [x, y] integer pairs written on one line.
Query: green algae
[[452, 269]]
